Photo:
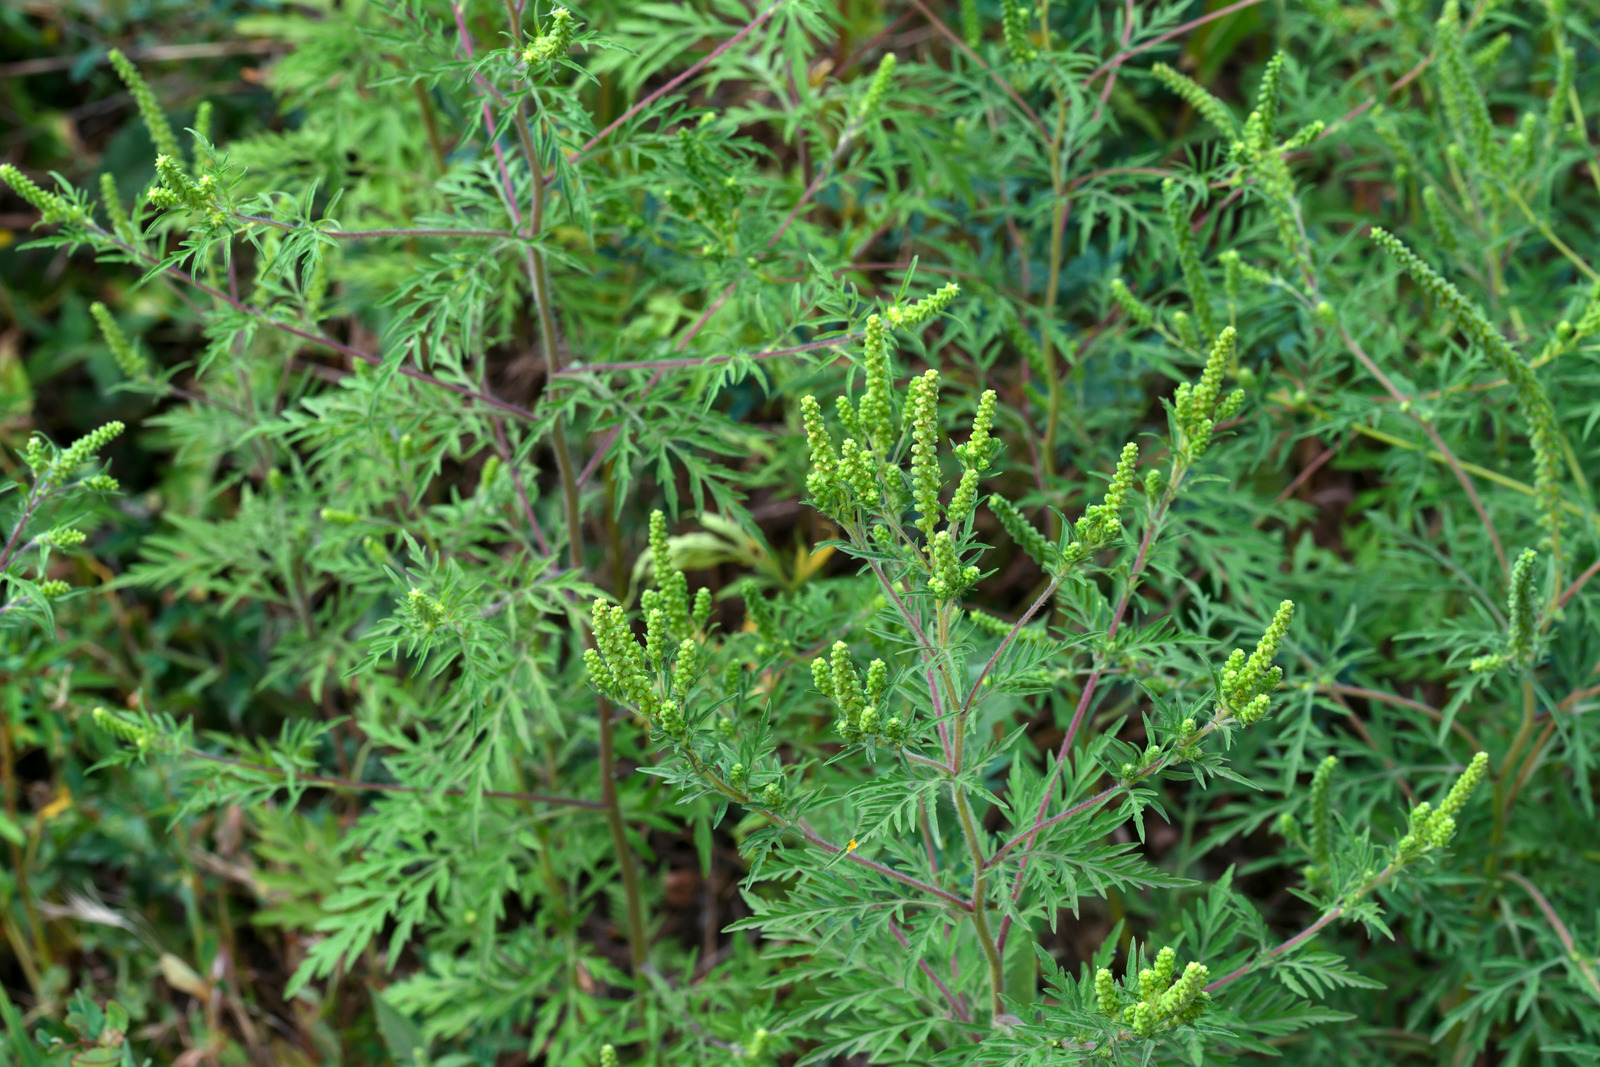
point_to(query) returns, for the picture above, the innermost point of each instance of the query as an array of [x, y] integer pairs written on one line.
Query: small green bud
[[757, 1046], [772, 795], [1184, 327], [1152, 483], [425, 611]]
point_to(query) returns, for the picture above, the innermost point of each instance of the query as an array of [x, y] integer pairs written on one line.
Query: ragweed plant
[[695, 534]]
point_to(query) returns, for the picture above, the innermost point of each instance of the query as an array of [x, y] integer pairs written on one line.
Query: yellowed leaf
[[62, 802], [181, 976], [808, 563]]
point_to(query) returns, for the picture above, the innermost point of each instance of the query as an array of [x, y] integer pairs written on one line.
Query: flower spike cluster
[[51, 468], [1464, 104], [1320, 845], [1432, 828], [858, 699], [175, 189], [1162, 1002], [657, 679], [1213, 110], [855, 478], [950, 577], [1196, 409], [1248, 681]]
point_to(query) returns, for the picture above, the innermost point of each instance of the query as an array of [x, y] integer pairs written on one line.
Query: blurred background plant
[[334, 597]]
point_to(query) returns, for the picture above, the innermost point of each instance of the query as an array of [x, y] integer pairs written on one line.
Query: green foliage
[[552, 619]]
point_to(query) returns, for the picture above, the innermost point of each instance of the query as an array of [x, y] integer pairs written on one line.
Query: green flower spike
[[63, 537], [873, 414], [1100, 523], [1131, 305], [846, 685], [1023, 532], [155, 119], [52, 207], [1014, 23], [121, 225], [130, 362], [1195, 408], [1321, 840], [554, 42], [922, 414], [823, 483], [949, 576], [671, 584], [1531, 395], [914, 315], [72, 457], [1105, 991], [877, 90], [1194, 275], [686, 668]]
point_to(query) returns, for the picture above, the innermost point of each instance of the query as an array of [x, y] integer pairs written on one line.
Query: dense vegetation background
[[354, 801]]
